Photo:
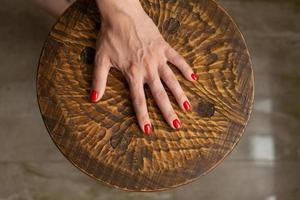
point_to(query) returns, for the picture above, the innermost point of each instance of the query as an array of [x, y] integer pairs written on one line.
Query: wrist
[[111, 9]]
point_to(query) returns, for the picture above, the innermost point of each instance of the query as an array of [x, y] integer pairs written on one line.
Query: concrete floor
[[264, 166]]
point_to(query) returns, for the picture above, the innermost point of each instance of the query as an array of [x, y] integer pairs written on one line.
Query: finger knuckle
[[170, 114], [175, 56], [161, 94], [151, 77], [182, 97], [171, 81], [146, 61], [178, 58], [144, 118], [139, 101], [132, 73], [167, 73]]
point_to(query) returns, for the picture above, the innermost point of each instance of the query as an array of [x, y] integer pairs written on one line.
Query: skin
[[130, 42]]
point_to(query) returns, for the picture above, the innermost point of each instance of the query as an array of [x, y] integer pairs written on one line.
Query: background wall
[[265, 165]]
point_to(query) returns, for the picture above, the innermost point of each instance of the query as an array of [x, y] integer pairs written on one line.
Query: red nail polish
[[186, 105], [147, 129], [176, 123], [194, 76], [93, 96]]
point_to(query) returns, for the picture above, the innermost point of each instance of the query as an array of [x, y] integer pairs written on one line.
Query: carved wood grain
[[104, 141]]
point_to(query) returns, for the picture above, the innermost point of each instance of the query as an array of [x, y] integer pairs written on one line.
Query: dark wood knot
[[120, 141], [205, 109], [87, 55], [171, 25]]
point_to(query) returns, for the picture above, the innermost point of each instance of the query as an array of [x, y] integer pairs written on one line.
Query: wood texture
[[104, 140]]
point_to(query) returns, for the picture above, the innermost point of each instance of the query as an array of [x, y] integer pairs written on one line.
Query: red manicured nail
[[186, 105], [147, 129], [176, 123], [94, 96], [194, 76]]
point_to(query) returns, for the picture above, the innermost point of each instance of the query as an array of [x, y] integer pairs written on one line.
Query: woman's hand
[[131, 42]]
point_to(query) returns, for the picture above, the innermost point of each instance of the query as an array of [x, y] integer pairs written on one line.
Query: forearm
[[110, 9]]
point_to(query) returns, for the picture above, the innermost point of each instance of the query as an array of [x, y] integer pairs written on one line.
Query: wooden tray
[[104, 141]]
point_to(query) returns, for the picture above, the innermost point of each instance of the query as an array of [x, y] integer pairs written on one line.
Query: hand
[[131, 42]]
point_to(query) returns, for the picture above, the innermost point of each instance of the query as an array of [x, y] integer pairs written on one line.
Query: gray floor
[[265, 165]]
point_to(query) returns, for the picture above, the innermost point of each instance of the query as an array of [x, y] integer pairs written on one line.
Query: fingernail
[[147, 129], [194, 76], [93, 96], [176, 123], [186, 105]]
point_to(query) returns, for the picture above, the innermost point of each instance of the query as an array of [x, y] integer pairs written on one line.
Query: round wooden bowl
[[104, 140]]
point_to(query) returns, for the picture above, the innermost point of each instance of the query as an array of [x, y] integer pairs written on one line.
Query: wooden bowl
[[104, 141]]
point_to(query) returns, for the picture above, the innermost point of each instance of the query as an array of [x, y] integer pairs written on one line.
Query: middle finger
[[163, 102]]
